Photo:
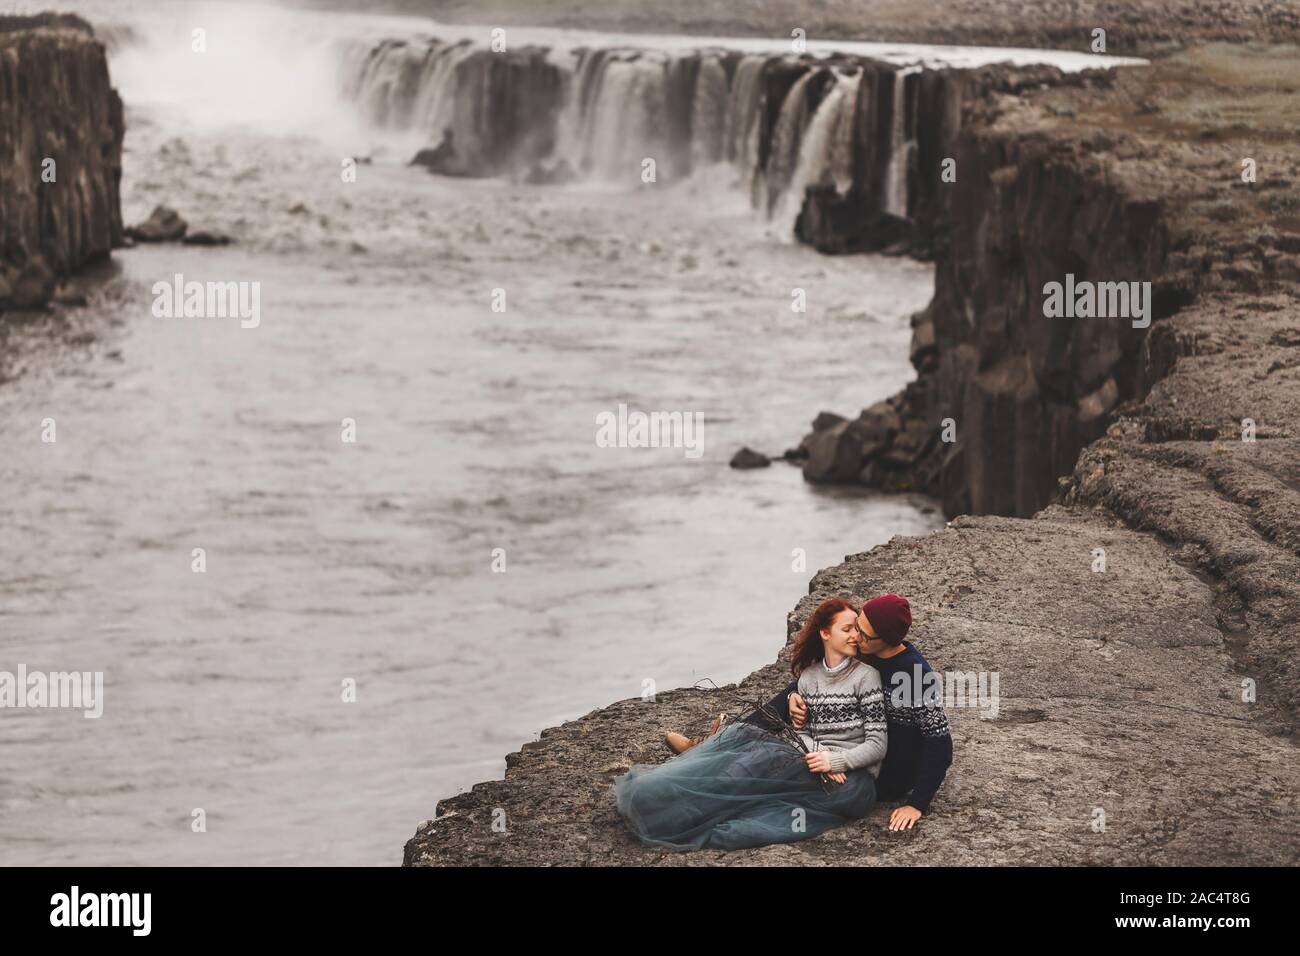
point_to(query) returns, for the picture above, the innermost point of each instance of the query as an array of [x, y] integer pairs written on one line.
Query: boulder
[[33, 285], [65, 293], [441, 159], [880, 422], [163, 225], [825, 420], [835, 454], [207, 237], [748, 458]]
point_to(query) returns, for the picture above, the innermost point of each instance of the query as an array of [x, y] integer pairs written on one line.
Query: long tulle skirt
[[740, 788]]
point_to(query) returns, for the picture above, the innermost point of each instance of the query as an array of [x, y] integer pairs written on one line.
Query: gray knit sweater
[[846, 715]]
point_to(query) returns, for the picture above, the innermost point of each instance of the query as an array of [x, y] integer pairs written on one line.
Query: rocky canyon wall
[[61, 129], [1065, 179], [1005, 397]]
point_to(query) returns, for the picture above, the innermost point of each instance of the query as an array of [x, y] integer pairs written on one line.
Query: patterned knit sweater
[[920, 743], [846, 715]]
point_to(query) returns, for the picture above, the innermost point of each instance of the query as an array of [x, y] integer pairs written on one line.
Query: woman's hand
[[818, 761]]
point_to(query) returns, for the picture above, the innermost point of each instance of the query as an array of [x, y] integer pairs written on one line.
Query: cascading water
[[627, 119], [826, 153], [783, 154], [584, 74], [547, 112], [435, 101], [744, 106], [709, 113], [612, 110], [901, 147]]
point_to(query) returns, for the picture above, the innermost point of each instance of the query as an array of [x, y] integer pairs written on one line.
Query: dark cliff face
[[56, 104], [1005, 398], [1025, 393], [1086, 177]]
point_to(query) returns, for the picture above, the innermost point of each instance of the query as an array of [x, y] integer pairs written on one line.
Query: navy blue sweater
[[920, 744], [919, 748]]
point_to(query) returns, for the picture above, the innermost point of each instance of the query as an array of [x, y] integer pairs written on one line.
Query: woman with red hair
[[745, 786]]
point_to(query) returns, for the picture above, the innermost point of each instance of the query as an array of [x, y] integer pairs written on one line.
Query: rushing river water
[[373, 561]]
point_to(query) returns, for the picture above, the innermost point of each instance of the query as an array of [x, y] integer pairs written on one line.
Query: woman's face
[[843, 635]]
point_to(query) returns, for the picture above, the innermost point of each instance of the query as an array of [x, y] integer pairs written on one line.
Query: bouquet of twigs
[[777, 725]]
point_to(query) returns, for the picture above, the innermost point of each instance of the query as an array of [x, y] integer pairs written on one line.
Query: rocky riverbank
[[60, 155], [1118, 695], [1143, 626]]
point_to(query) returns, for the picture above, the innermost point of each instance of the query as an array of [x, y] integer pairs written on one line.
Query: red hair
[[808, 642]]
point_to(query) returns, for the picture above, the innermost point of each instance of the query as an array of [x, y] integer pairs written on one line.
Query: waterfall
[[786, 138], [434, 108], [709, 113], [787, 124], [575, 119], [382, 84], [627, 119], [900, 148], [826, 155], [745, 104], [500, 111]]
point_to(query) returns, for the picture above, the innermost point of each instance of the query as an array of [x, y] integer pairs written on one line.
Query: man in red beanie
[[888, 617], [919, 744]]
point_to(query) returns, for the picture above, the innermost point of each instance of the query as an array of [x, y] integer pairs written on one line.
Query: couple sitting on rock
[[748, 784]]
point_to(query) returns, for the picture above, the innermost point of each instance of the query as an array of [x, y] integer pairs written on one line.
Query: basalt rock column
[[60, 155]]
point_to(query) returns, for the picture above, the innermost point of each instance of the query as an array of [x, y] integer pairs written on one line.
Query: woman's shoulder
[[865, 676]]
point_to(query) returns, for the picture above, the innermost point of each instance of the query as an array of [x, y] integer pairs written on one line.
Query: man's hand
[[837, 777], [798, 711], [904, 818], [818, 761]]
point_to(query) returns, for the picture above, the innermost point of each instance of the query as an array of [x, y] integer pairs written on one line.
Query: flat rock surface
[[1210, 461], [1117, 693], [1130, 25]]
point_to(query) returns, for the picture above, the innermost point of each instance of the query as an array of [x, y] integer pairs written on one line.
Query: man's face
[[869, 644]]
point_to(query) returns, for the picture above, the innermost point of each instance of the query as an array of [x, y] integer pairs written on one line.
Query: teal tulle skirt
[[742, 787]]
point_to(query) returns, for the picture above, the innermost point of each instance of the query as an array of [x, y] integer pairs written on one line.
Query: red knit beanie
[[890, 617]]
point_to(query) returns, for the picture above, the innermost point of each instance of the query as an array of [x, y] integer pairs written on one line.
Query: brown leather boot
[[680, 743]]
